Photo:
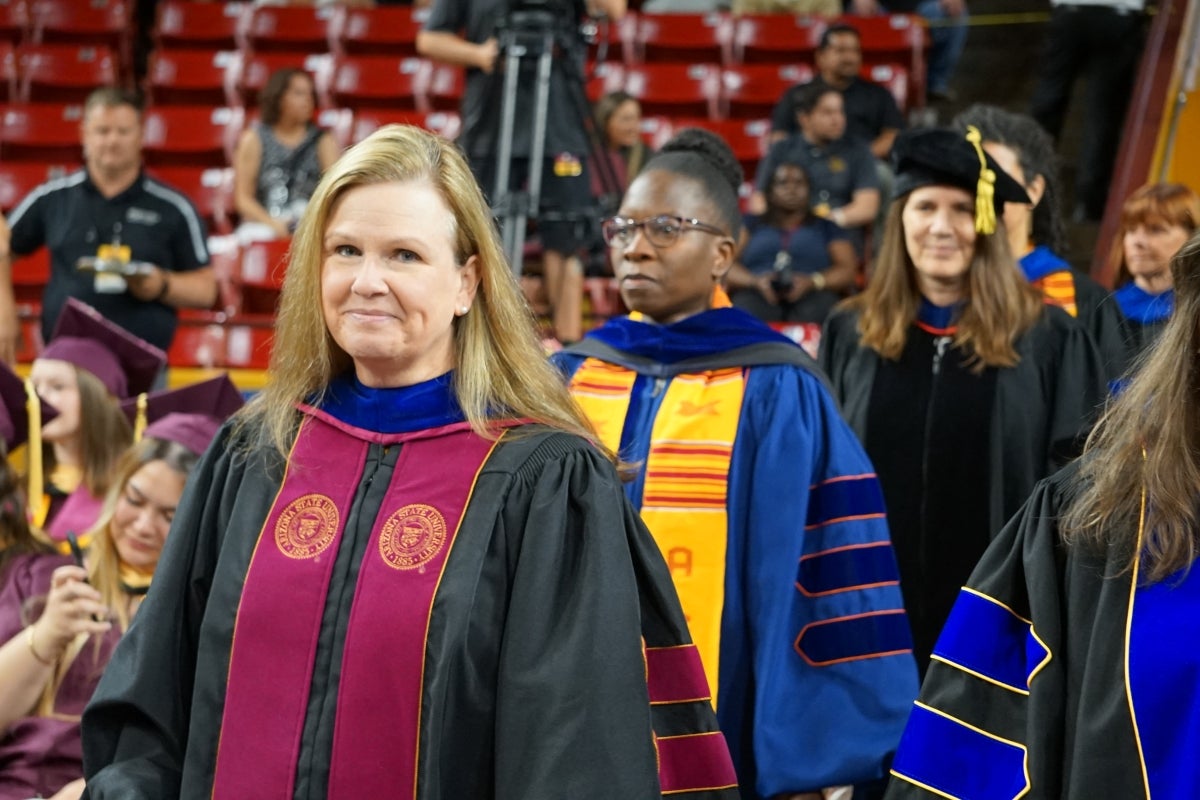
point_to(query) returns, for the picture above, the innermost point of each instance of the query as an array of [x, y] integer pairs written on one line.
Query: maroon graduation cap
[[15, 408], [189, 415], [124, 363]]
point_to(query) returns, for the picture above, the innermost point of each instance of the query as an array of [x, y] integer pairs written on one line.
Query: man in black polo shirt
[[843, 182], [463, 33], [111, 203], [872, 116]]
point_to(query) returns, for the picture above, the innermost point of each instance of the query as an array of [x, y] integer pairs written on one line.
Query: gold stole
[[686, 478], [1058, 289]]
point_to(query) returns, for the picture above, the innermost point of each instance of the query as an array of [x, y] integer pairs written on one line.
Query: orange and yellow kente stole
[[1058, 289], [686, 480]]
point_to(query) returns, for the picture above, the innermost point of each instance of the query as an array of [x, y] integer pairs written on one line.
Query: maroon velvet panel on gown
[[40, 755]]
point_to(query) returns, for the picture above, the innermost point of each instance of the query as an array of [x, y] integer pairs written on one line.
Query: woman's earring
[[463, 310]]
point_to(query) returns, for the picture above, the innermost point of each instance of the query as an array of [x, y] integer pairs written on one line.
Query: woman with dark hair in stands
[[1156, 221], [794, 265], [1024, 150], [964, 386], [618, 118], [280, 158]]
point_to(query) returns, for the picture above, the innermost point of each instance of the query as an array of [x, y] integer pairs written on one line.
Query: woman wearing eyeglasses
[[758, 495]]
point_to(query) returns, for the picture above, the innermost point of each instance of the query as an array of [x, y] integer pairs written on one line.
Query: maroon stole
[[376, 732]]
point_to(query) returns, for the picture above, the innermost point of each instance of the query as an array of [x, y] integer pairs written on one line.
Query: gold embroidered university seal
[[307, 526], [412, 536]]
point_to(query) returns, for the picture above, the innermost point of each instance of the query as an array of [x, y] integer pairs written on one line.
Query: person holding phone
[[60, 618]]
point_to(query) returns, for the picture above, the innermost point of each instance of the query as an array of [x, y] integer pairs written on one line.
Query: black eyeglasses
[[661, 231]]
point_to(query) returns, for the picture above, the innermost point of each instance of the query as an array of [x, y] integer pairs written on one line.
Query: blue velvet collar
[[938, 318], [430, 404], [1040, 262], [1141, 306], [717, 330]]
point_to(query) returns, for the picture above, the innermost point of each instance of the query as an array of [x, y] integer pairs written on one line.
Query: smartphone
[[76, 550], [77, 554]]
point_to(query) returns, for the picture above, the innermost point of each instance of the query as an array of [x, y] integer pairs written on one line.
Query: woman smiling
[[963, 386]]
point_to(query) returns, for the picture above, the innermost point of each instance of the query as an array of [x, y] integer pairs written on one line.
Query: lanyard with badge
[[112, 263]]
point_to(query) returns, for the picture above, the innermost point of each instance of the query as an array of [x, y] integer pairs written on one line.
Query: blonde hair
[[1000, 304], [103, 562], [1149, 441], [500, 369]]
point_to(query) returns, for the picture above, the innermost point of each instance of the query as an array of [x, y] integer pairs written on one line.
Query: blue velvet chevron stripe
[[854, 637], [842, 569], [953, 759], [987, 639], [850, 497]]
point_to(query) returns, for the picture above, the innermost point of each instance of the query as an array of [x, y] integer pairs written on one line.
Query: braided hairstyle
[[705, 158], [1036, 155]]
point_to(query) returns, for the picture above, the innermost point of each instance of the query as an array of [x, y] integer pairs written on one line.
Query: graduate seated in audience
[[60, 620], [382, 573], [1024, 150], [756, 491], [16, 537], [794, 265], [1156, 220], [1068, 665], [963, 385], [87, 368], [280, 158]]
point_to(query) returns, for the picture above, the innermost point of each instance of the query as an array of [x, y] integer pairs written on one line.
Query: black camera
[[782, 273]]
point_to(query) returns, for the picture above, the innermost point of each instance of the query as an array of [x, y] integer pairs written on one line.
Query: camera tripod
[[538, 34]]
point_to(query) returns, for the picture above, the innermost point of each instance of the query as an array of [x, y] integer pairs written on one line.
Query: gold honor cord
[[36, 502]]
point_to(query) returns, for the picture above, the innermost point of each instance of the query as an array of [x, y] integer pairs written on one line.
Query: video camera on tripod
[[539, 37]]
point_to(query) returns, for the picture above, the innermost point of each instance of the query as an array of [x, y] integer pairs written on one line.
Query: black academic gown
[[547, 548], [957, 452], [1027, 693]]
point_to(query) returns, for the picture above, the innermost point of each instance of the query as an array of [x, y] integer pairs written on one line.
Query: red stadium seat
[[249, 79], [200, 340], [751, 91], [195, 136], [189, 77], [607, 76], [747, 138], [382, 31], [613, 40], [675, 89], [41, 132], [656, 131], [445, 89], [14, 21], [29, 276], [895, 39], [8, 72], [63, 73], [340, 124], [775, 38], [97, 22], [681, 37], [447, 124], [289, 29], [182, 24], [894, 78], [248, 341], [260, 278], [387, 82], [19, 178], [209, 188]]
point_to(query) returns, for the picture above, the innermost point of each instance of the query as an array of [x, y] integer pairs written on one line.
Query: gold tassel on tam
[[139, 422], [985, 190], [35, 503]]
